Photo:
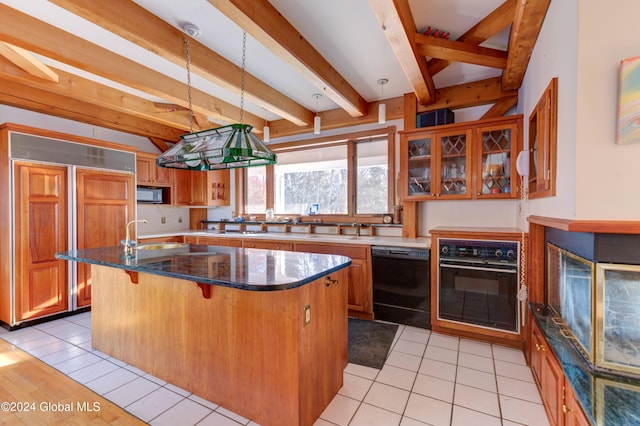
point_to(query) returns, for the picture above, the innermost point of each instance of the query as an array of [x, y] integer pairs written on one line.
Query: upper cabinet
[[542, 144], [461, 161], [205, 189], [148, 174]]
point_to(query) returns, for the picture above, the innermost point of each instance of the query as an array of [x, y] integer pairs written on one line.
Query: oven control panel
[[506, 251]]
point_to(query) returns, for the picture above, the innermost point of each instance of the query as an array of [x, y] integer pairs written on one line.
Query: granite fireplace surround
[[605, 373]]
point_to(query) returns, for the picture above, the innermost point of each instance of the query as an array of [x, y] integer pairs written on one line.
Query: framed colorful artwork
[[628, 126]]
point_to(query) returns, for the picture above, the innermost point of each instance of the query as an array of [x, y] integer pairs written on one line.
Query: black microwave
[[150, 195]]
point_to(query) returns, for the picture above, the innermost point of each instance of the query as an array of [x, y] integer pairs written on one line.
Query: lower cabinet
[[557, 396], [360, 294], [573, 414], [268, 245], [213, 241]]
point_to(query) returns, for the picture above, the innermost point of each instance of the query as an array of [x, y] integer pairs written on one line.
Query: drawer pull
[[328, 281]]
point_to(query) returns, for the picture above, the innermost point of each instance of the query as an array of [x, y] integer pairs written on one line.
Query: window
[[372, 189], [344, 175], [256, 189], [312, 176]]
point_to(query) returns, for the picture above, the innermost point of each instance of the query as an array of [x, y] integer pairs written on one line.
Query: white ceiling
[[345, 32]]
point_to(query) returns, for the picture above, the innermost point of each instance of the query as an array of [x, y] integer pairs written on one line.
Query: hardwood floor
[[33, 393]]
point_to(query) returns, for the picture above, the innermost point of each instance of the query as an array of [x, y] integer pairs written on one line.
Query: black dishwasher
[[401, 285]]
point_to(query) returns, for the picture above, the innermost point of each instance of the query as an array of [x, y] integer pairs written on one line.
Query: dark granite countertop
[[607, 398], [242, 268]]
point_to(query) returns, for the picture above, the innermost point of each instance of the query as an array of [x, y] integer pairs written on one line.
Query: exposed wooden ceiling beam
[[162, 145], [65, 47], [264, 23], [460, 52], [337, 118], [399, 27], [501, 107], [33, 99], [26, 61], [527, 23], [468, 95], [134, 23], [492, 24], [73, 86]]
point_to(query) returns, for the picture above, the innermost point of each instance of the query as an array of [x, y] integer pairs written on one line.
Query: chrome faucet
[[356, 225], [127, 243]]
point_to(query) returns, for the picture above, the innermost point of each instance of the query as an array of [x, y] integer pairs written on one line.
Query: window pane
[[256, 187], [372, 178], [313, 176]]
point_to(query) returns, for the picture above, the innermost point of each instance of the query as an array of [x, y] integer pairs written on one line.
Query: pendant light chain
[[244, 58], [188, 58]]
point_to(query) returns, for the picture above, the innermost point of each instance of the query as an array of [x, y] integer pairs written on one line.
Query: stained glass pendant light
[[224, 147]]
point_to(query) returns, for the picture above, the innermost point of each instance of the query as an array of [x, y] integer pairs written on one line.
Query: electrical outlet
[[96, 133], [307, 314], [163, 219], [179, 219]]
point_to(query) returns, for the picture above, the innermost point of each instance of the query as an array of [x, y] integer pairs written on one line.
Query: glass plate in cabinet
[[419, 167], [453, 154]]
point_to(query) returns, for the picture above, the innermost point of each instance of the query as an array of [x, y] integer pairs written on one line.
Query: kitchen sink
[[161, 246]]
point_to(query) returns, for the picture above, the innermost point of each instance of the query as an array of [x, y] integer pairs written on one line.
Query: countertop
[[606, 398], [246, 269], [420, 242]]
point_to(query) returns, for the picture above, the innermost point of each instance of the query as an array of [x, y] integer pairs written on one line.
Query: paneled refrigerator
[[65, 195]]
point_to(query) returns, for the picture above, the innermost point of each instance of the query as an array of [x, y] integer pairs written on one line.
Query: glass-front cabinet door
[[473, 160], [496, 162], [420, 159], [453, 155]]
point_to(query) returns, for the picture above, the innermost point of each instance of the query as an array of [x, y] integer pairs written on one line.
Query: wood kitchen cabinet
[[62, 192], [105, 204], [268, 245], [41, 199], [209, 189], [174, 239], [557, 395], [213, 241], [542, 143], [360, 292], [148, 174], [460, 161], [573, 414]]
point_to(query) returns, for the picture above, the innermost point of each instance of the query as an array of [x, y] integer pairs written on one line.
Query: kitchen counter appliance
[[478, 283], [401, 285]]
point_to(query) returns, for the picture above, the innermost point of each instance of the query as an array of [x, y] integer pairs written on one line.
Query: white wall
[[42, 121], [555, 55], [607, 174]]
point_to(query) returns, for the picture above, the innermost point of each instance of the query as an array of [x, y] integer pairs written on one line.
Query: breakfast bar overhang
[[260, 332]]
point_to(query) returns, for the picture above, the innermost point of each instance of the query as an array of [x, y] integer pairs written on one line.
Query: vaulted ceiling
[[120, 64]]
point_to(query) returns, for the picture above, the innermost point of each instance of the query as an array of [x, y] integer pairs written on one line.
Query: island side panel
[[246, 350], [324, 345]]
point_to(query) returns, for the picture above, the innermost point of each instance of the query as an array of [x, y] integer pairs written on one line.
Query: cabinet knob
[[479, 193]]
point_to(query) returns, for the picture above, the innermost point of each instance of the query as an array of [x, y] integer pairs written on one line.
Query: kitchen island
[[260, 332]]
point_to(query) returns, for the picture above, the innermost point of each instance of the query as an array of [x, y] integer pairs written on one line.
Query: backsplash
[[175, 218]]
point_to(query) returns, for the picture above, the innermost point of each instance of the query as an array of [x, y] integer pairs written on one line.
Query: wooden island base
[[249, 351]]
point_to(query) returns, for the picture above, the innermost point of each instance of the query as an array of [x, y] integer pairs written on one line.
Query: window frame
[[351, 140]]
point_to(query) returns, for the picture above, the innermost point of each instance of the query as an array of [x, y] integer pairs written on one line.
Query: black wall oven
[[401, 285], [478, 283]]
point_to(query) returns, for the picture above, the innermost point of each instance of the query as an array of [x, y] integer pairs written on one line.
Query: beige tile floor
[[428, 379]]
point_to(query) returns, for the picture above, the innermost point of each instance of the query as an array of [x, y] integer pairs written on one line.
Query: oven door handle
[[478, 268]]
